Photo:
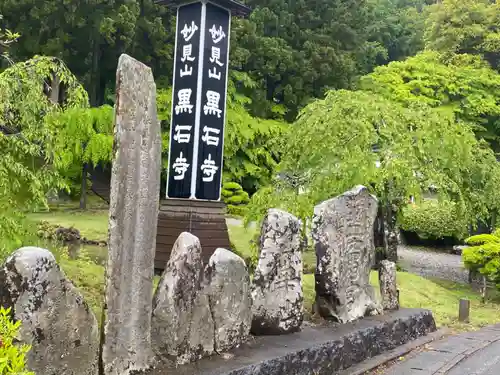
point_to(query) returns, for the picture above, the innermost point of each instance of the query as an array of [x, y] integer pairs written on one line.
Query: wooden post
[[464, 310]]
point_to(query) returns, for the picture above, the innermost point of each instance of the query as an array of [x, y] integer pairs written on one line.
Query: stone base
[[320, 350]]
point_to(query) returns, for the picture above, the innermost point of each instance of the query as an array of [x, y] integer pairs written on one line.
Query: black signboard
[[213, 103], [184, 100]]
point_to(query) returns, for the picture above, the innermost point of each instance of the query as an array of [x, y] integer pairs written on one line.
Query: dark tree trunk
[[379, 237], [93, 97], [392, 233], [83, 192], [379, 230]]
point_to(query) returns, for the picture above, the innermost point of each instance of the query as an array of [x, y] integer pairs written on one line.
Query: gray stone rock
[[228, 288], [277, 284], [388, 285], [343, 236], [133, 215], [56, 321], [182, 324]]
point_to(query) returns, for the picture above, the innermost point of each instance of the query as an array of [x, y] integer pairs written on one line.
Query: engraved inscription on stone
[[343, 236], [277, 285]]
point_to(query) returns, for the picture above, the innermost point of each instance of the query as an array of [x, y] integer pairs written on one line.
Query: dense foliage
[[28, 167], [465, 86], [352, 138], [12, 355], [434, 220], [311, 110], [465, 26], [293, 51]]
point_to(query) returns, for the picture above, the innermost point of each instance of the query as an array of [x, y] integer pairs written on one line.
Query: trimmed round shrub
[[235, 198], [433, 220]]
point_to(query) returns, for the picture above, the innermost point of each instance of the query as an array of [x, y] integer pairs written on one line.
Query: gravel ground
[[428, 263]]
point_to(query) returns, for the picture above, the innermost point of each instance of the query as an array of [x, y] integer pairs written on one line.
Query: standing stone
[[343, 235], [133, 215], [388, 285], [56, 321], [277, 284], [182, 325], [228, 288]]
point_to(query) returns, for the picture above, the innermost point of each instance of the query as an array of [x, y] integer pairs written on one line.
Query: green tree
[[83, 137], [28, 167], [90, 36], [7, 37], [398, 26], [465, 26], [352, 138], [463, 85], [295, 51]]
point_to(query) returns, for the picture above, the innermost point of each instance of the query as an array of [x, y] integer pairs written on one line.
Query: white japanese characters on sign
[[182, 133], [180, 167], [210, 140], [212, 105], [209, 169], [216, 56], [187, 50], [214, 74], [217, 34], [184, 101], [188, 31]]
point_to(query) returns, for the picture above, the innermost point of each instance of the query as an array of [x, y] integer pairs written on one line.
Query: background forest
[[399, 95]]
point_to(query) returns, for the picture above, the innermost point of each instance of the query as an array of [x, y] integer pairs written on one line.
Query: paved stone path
[[472, 353], [428, 263]]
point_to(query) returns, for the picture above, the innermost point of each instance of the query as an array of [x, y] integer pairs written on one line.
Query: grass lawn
[[92, 224], [437, 295]]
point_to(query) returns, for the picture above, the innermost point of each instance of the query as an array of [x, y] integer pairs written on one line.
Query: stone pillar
[[133, 214], [182, 326], [343, 235], [388, 285], [55, 320], [277, 284]]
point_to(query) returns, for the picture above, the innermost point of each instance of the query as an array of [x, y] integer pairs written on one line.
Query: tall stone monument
[[133, 213], [343, 235], [197, 127]]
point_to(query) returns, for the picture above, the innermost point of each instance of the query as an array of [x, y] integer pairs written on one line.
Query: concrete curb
[[379, 360]]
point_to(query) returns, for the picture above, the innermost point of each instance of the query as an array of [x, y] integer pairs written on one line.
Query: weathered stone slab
[[343, 235], [133, 214], [320, 350], [228, 288], [182, 325], [56, 321], [277, 284], [388, 285]]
